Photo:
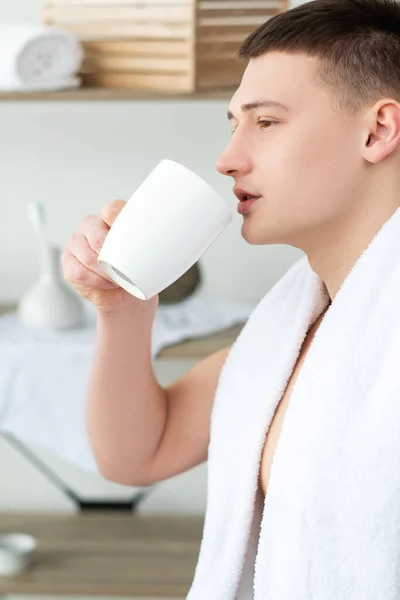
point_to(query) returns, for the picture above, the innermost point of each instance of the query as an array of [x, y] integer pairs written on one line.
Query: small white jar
[[16, 551]]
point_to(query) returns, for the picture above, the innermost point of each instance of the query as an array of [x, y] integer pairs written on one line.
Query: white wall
[[75, 157]]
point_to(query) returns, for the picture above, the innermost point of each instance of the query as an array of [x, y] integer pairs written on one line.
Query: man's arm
[[186, 437], [184, 441]]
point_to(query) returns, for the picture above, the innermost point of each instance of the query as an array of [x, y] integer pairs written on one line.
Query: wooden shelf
[[108, 554], [202, 347], [100, 94], [189, 349]]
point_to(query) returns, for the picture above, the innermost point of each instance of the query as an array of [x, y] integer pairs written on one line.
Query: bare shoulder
[[185, 440]]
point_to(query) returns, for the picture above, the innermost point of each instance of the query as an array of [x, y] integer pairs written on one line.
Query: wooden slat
[[231, 31], [169, 14], [122, 30], [212, 57], [240, 14], [145, 14], [216, 33], [116, 3], [93, 64], [218, 73], [144, 81], [259, 5], [214, 81], [166, 48], [205, 49], [201, 4], [226, 38], [232, 21]]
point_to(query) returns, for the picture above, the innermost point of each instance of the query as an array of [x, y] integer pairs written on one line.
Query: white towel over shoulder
[[35, 57], [329, 527]]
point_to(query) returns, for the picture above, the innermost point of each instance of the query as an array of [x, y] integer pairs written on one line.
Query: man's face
[[304, 161]]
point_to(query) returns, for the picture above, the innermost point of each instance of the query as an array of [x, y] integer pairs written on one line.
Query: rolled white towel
[[34, 57]]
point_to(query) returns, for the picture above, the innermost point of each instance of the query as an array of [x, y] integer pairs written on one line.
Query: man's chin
[[256, 237]]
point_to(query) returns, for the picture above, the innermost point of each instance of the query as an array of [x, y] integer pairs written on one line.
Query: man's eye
[[263, 123]]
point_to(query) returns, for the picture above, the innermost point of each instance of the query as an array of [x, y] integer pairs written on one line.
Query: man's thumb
[[111, 211]]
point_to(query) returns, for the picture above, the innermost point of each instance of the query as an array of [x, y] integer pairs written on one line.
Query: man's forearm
[[126, 406]]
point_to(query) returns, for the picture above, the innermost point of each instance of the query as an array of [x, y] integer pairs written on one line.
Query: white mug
[[166, 225]]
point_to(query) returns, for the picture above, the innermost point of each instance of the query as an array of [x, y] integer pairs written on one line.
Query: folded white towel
[[35, 57], [329, 527]]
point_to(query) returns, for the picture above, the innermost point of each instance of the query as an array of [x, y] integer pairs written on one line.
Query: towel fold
[[38, 57], [329, 525]]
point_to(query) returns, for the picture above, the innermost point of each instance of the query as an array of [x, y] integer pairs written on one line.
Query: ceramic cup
[[164, 228]]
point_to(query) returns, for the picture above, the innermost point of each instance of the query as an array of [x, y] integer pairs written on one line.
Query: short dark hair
[[357, 43]]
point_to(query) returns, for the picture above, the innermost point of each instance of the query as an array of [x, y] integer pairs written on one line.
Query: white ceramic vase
[[51, 302]]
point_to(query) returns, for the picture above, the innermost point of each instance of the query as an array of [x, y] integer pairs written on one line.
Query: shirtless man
[[317, 141]]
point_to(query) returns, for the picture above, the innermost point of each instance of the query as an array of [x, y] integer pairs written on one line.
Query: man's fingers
[[111, 211], [77, 273], [79, 247]]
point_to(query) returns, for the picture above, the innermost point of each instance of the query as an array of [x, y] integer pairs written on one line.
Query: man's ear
[[383, 121]]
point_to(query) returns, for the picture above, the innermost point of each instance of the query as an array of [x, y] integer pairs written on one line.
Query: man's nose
[[233, 161]]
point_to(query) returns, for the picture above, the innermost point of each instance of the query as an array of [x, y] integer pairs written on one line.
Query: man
[[315, 145]]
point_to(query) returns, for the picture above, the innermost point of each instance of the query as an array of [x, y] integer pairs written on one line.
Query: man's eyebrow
[[257, 104]]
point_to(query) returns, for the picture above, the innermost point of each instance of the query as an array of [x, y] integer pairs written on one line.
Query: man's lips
[[246, 205], [242, 195]]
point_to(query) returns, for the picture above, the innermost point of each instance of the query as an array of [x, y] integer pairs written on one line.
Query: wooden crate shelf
[[183, 46]]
